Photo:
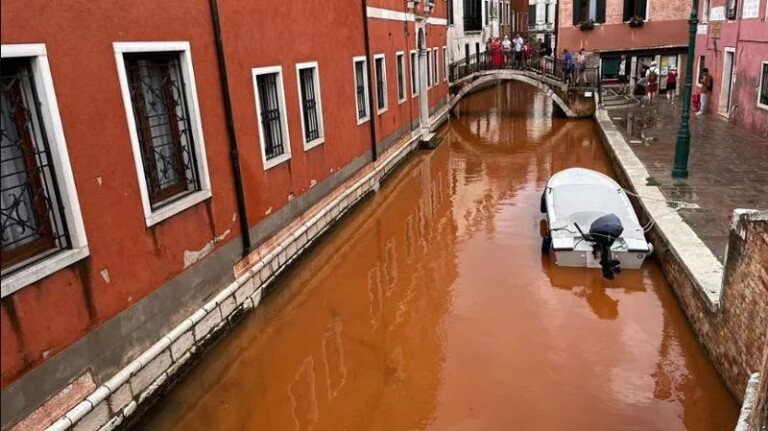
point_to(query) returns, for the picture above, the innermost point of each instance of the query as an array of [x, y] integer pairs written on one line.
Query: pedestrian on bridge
[[497, 60], [506, 49], [567, 66], [581, 64]]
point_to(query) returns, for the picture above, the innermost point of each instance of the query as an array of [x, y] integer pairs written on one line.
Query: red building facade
[[121, 214], [732, 42]]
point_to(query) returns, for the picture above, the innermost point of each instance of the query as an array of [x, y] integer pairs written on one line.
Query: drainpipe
[[374, 155], [557, 29], [233, 152]]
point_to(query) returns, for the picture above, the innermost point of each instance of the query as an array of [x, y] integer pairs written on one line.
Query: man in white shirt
[[623, 81], [506, 49], [519, 42]]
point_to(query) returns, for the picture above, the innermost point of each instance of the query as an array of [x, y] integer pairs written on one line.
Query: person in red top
[[527, 53], [672, 84], [497, 60]]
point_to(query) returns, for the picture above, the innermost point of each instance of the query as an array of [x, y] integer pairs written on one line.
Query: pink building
[[732, 42]]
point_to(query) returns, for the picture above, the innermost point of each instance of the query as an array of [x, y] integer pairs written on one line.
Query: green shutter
[[576, 12], [600, 15], [628, 9], [640, 8]]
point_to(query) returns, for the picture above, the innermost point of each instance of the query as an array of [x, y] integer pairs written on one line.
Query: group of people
[[648, 78], [575, 69], [515, 53]]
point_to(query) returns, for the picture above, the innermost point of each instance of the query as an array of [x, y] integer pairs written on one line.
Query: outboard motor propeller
[[602, 233]]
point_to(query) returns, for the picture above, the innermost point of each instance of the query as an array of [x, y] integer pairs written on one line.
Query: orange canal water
[[430, 307]]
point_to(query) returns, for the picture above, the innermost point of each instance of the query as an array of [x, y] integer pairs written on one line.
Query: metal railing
[[549, 67]]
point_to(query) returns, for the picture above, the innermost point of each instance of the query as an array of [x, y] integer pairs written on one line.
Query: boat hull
[[586, 258]]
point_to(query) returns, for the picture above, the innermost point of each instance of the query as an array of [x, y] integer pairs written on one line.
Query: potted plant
[[587, 24], [636, 21]]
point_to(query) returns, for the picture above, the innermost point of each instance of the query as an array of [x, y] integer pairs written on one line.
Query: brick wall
[[734, 337], [760, 413], [658, 10]]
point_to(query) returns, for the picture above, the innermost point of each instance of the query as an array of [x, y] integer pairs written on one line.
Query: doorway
[[725, 89]]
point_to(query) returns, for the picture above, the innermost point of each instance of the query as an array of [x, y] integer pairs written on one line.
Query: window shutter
[[600, 15], [641, 7], [576, 12], [628, 12]]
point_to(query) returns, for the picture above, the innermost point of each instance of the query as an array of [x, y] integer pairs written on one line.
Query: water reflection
[[431, 307]]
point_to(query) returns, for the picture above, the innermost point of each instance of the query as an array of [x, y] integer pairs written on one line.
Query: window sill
[[401, 101], [43, 268], [761, 106], [271, 163], [382, 110], [363, 120], [312, 144], [176, 207]]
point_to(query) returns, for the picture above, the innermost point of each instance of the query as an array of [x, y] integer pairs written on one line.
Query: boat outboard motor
[[603, 232]]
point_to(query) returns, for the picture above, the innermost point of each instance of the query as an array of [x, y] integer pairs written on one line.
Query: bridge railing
[[553, 68]]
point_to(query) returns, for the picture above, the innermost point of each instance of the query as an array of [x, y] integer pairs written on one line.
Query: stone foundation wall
[[727, 306]]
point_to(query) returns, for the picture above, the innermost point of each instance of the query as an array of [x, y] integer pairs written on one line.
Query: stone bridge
[[573, 101]]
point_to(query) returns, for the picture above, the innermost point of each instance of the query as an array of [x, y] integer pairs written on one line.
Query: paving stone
[[727, 166]]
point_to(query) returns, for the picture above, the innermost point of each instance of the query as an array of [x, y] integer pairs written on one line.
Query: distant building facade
[[541, 21], [643, 30], [732, 42]]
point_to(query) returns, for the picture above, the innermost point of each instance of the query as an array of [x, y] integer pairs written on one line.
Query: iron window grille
[[435, 67], [269, 105], [309, 104], [414, 75], [362, 108], [381, 91], [162, 118], [32, 212], [429, 69], [400, 78]]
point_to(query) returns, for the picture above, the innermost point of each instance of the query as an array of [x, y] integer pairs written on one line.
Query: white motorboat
[[591, 223]]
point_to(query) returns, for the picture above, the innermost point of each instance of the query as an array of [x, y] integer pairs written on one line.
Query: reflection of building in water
[[361, 348], [590, 285]]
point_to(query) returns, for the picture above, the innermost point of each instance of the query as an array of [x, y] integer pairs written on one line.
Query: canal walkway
[[430, 307], [728, 167]]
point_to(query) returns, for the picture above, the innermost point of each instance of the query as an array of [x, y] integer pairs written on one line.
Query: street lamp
[[682, 147], [421, 10]]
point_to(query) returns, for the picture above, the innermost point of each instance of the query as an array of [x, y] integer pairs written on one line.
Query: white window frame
[[414, 76], [364, 60], [446, 66], [153, 217], [321, 127], [255, 72], [401, 70], [760, 86], [49, 111], [383, 59]]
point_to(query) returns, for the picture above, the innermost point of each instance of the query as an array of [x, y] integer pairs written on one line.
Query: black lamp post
[[682, 147]]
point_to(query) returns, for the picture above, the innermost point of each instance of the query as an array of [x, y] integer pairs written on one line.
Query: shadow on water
[[431, 308]]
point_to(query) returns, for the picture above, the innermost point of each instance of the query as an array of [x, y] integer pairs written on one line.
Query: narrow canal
[[431, 307]]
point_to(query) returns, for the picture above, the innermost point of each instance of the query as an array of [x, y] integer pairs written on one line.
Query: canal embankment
[[726, 302]]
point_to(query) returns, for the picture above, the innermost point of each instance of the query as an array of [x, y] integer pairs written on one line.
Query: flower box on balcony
[[587, 25], [636, 21]]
